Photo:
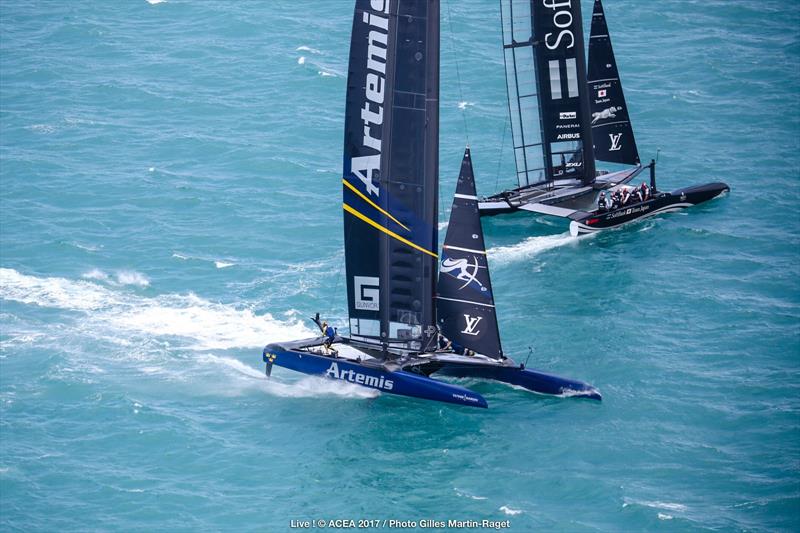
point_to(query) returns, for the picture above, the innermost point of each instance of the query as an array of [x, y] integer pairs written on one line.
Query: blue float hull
[[416, 383], [532, 380], [397, 382]]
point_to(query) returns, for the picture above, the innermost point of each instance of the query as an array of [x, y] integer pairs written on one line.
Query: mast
[[611, 125], [390, 172], [464, 301], [548, 97]]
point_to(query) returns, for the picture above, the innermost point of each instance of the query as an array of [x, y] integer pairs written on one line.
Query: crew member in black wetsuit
[[601, 202], [626, 196], [444, 343], [616, 200]]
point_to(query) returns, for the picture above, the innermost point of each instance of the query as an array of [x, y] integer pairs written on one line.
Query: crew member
[[645, 192], [626, 195], [616, 199], [601, 202], [444, 343], [330, 335]]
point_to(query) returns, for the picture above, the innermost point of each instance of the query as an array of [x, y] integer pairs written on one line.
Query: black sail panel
[[465, 305], [411, 172], [548, 97], [390, 171], [614, 141]]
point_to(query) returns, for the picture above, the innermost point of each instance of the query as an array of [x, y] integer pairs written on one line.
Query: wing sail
[[547, 94], [390, 171]]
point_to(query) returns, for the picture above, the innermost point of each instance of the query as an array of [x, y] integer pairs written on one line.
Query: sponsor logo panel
[[470, 324], [376, 382], [462, 270], [616, 142], [367, 292]]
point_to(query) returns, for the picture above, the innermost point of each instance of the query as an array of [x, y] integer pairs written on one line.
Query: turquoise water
[[171, 202]]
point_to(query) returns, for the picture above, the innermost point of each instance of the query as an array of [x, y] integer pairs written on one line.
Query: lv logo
[[471, 324]]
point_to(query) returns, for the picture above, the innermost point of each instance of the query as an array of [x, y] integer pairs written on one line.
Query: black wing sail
[[611, 126], [465, 304], [547, 94], [391, 171]]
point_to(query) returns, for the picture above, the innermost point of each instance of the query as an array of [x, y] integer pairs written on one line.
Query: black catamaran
[[405, 324], [557, 109]]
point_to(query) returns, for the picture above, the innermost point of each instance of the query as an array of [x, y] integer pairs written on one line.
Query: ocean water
[[170, 202]]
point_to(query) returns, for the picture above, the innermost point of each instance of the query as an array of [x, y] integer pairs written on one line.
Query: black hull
[[664, 202]]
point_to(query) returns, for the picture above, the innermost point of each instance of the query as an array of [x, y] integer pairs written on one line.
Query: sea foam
[[531, 247], [198, 323]]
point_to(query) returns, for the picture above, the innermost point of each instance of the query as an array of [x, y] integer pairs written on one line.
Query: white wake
[[531, 247], [200, 323], [167, 337]]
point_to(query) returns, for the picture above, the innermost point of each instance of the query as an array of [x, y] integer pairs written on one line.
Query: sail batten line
[[464, 301], [610, 123], [373, 204], [465, 196], [388, 232], [448, 247]]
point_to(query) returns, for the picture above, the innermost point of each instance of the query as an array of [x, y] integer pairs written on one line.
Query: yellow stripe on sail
[[373, 204], [386, 231]]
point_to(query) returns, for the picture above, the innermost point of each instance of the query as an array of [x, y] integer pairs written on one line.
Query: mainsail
[[465, 303], [611, 126], [547, 92], [390, 171]]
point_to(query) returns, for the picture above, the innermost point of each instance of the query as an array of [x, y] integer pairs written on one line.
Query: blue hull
[[397, 382], [416, 384], [532, 380]]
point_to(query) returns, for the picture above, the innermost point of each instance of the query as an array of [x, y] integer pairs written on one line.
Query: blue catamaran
[[412, 314]]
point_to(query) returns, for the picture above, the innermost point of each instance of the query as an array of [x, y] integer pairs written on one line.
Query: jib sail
[[611, 126], [390, 171], [547, 92], [465, 303]]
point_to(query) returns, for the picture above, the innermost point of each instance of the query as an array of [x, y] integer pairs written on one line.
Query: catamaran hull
[[662, 203], [564, 196], [539, 382], [393, 382]]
